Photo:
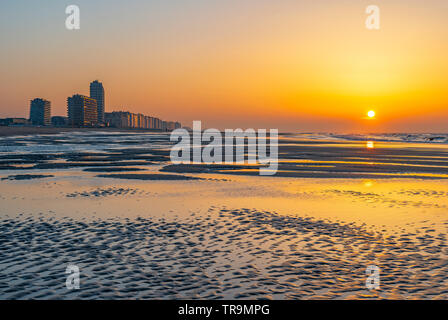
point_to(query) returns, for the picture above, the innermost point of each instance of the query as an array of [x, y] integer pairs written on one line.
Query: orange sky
[[301, 66]]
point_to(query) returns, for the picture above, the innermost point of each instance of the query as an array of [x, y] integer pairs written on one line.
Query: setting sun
[[371, 114]]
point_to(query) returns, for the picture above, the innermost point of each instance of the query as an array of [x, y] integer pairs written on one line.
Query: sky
[[306, 66]]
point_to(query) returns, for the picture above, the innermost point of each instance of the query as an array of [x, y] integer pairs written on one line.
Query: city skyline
[[308, 67], [39, 111], [88, 111]]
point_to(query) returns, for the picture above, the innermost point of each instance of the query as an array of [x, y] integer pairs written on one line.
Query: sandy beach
[[6, 131], [138, 226]]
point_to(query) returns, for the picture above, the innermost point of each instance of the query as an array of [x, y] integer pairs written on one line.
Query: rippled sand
[[224, 254], [216, 233]]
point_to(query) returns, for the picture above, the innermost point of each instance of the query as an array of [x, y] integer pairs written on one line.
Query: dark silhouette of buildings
[[82, 111], [123, 119], [14, 122], [97, 93], [58, 121], [40, 112]]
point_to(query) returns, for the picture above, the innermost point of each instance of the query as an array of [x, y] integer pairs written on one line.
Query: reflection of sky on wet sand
[[394, 203], [227, 237], [230, 235]]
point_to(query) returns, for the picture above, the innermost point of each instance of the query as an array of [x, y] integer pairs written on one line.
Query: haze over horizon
[[308, 66]]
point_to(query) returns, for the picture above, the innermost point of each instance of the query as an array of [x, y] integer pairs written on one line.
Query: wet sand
[[22, 131], [138, 176], [27, 177], [297, 158], [227, 254], [106, 203]]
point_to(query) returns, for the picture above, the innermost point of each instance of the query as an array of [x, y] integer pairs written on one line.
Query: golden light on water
[[368, 183], [370, 145]]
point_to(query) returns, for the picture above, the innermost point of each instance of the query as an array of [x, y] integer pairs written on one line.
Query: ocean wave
[[388, 137]]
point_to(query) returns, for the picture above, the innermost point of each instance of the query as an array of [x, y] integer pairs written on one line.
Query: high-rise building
[[124, 119], [118, 119], [97, 93], [82, 111], [141, 121], [40, 112]]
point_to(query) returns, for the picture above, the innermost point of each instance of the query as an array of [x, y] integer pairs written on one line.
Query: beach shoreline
[[24, 131], [140, 227]]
